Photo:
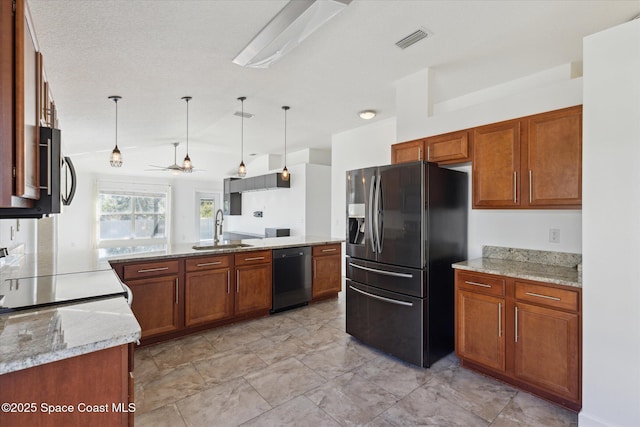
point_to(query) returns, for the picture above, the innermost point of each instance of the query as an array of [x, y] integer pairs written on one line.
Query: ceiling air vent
[[413, 38], [241, 114]]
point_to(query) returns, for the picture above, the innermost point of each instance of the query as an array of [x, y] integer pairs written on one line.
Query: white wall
[[611, 228], [318, 200], [370, 146], [25, 237]]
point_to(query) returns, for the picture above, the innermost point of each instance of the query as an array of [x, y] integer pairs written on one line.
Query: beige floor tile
[[167, 386], [165, 416], [226, 366], [351, 400], [426, 408], [526, 410], [182, 350], [298, 412], [278, 347], [144, 367], [393, 375], [481, 395], [284, 380], [227, 404], [334, 359], [233, 336]]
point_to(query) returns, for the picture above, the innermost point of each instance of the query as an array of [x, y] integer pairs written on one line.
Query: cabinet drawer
[[150, 269], [255, 257], [207, 263], [326, 250], [483, 283], [545, 295]]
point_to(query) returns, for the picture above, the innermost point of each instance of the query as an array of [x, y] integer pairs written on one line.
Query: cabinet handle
[[542, 296], [515, 184], [228, 282], [48, 187], [315, 268], [329, 250], [204, 264], [428, 152], [149, 270], [237, 282], [176, 290], [419, 153], [530, 185], [516, 323], [477, 284], [255, 258], [499, 319]]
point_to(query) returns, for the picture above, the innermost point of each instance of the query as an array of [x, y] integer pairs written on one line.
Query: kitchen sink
[[225, 244]]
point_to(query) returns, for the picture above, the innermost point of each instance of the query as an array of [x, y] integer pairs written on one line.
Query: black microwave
[[57, 179]]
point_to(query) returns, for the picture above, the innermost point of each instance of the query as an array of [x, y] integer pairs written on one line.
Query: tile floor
[[300, 368]]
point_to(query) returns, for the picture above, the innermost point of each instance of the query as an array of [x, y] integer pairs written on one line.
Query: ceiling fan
[[175, 168]]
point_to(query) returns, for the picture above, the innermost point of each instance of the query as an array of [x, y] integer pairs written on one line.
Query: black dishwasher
[[291, 278]]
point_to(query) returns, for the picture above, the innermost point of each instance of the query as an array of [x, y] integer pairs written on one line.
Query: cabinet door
[[253, 288], [546, 349], [480, 334], [327, 275], [496, 165], [155, 304], [208, 296], [555, 158], [410, 151], [449, 148], [26, 106]]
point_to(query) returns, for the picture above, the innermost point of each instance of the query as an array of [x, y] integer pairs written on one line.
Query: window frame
[[198, 197]]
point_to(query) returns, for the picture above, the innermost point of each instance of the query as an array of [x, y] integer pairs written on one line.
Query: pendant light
[[116, 158], [285, 172], [242, 169], [187, 166]]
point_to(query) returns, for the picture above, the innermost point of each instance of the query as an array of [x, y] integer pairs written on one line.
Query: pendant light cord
[[116, 101]]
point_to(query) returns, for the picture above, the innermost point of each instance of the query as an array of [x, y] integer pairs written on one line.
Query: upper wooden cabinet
[[448, 148], [20, 99], [532, 162]]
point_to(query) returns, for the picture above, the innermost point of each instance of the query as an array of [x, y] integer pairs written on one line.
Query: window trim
[[198, 196], [132, 189]]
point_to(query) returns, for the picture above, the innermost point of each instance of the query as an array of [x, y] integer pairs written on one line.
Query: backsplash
[[564, 259]]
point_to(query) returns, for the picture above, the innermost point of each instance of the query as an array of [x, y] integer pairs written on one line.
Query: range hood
[[257, 183]]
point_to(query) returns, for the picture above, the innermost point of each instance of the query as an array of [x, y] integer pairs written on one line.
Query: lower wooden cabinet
[[327, 271], [522, 332], [156, 304], [97, 385], [208, 296], [253, 282]]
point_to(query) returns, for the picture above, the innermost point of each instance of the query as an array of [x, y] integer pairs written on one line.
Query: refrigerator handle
[[379, 215], [370, 213]]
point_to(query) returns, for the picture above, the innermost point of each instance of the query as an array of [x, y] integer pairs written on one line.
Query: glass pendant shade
[[187, 166], [116, 157], [285, 172], [242, 169]]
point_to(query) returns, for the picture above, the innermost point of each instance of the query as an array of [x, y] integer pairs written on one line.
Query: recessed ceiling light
[[367, 114]]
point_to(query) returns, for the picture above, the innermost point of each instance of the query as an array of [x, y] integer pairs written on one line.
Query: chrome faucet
[[218, 227]]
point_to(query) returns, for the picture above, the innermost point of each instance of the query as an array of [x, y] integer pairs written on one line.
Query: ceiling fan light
[[242, 170], [116, 158]]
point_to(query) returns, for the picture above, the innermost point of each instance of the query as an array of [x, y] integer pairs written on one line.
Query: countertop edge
[[537, 278]]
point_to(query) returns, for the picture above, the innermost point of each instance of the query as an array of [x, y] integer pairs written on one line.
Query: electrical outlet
[[554, 235]]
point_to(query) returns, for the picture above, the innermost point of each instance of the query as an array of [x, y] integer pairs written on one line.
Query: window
[[207, 205], [132, 218]]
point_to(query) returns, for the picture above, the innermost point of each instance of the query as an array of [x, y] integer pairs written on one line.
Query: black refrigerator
[[406, 225]]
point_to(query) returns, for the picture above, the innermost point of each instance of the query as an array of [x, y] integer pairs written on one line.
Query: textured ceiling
[[154, 52]]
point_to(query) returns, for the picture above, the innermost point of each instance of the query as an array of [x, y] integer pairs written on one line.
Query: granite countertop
[[186, 249], [543, 266], [31, 338]]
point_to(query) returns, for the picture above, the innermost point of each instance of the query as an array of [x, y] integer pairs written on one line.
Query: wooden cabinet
[[156, 296], [19, 112], [327, 270], [253, 282], [208, 296], [454, 147], [480, 320], [531, 162], [100, 378], [522, 332], [496, 165]]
